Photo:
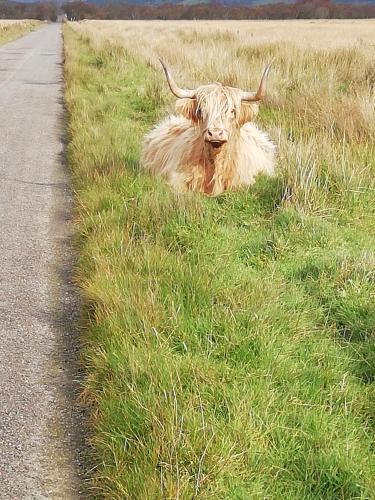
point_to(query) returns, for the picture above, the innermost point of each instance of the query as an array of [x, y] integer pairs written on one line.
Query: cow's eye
[[233, 112], [198, 113]]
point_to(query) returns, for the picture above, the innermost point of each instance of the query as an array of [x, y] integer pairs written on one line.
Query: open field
[[228, 341], [323, 34], [12, 29]]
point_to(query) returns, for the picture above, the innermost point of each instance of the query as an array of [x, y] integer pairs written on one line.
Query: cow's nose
[[216, 135]]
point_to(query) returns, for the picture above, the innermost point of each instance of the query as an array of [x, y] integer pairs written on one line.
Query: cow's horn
[[261, 92], [180, 93]]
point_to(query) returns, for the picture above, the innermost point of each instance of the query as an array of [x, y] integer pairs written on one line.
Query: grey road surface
[[39, 425]]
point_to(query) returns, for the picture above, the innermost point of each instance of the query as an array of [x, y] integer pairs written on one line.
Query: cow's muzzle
[[216, 137]]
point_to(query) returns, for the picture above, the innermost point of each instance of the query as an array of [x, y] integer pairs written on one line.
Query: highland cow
[[211, 145]]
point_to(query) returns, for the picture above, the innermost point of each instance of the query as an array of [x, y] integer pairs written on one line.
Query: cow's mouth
[[217, 144]]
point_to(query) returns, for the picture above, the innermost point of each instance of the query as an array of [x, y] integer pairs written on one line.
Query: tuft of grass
[[228, 342], [12, 29]]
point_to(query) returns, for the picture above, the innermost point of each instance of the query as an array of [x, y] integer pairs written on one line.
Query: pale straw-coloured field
[[313, 53], [7, 23], [327, 33], [13, 28]]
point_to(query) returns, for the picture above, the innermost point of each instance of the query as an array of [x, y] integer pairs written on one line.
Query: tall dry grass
[[14, 28]]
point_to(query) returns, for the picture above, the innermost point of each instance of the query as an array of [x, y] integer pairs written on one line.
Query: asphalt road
[[40, 426]]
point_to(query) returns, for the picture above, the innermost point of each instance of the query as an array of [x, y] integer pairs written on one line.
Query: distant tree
[[76, 11], [41, 10]]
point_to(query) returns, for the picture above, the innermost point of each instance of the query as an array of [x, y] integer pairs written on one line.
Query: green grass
[[227, 341], [12, 31]]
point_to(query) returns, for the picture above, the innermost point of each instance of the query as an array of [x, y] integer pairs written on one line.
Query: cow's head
[[218, 110]]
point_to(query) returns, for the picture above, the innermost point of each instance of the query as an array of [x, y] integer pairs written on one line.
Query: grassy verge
[[10, 30], [227, 341]]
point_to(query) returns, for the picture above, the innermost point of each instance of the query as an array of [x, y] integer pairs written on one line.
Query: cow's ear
[[248, 112], [187, 108]]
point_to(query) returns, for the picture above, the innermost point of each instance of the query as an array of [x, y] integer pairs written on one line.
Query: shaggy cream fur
[[176, 148]]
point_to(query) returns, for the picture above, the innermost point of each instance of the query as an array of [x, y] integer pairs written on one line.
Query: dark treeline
[[78, 10], [42, 11], [303, 9]]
